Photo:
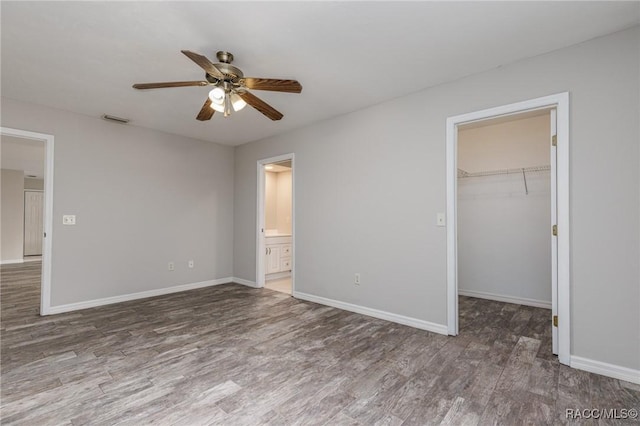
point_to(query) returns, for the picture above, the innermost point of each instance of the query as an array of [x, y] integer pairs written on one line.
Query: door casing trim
[[260, 242], [45, 287]]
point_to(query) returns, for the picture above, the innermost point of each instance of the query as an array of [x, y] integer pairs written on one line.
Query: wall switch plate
[[69, 219], [440, 219], [356, 279], [191, 264], [171, 266]]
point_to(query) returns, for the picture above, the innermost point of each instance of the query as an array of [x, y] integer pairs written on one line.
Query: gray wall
[[12, 215], [142, 198], [369, 185]]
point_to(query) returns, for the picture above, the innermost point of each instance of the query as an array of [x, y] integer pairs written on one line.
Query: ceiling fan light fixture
[[237, 102], [217, 107], [217, 95]]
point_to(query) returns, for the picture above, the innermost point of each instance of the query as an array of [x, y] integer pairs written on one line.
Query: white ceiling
[[22, 154], [84, 56]]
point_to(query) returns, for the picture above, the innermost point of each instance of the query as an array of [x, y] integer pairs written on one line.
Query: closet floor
[[234, 355]]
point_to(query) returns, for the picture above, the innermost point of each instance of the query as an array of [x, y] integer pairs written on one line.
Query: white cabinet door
[[33, 222], [273, 259]]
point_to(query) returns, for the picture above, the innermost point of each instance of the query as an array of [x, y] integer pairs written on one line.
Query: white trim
[[605, 369], [11, 261], [244, 282], [135, 296], [260, 242], [507, 299], [30, 258], [388, 316], [45, 292], [560, 102], [564, 229], [554, 220]]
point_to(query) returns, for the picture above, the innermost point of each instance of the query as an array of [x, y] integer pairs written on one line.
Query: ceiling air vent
[[115, 119]]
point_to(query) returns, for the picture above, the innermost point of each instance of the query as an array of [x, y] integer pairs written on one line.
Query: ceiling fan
[[229, 87]]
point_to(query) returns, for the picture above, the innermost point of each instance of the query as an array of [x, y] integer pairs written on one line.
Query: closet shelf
[[465, 174]]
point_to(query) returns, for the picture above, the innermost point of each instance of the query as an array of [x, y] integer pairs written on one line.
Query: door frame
[[560, 102], [45, 286], [260, 241]]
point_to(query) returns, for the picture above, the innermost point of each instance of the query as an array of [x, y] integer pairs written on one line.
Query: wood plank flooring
[[232, 355]]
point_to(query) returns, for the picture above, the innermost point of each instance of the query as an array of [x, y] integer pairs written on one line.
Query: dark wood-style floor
[[233, 355]]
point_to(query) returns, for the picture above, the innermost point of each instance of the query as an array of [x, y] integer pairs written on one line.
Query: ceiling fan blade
[[204, 63], [260, 105], [170, 84], [291, 86], [206, 112]]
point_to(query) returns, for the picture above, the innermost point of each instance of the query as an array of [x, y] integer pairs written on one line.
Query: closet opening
[[507, 225], [275, 257], [504, 223]]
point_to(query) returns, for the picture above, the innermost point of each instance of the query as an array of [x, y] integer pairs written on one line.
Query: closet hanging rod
[[465, 174]]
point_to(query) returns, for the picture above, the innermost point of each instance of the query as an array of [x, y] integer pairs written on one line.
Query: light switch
[[69, 219], [440, 219]]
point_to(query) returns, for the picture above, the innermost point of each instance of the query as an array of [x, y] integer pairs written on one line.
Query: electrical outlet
[[356, 279], [69, 219], [171, 266], [191, 264]]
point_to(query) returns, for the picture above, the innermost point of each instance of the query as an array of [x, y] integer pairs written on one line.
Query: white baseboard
[[134, 296], [400, 319], [605, 369], [507, 299], [244, 282], [11, 261]]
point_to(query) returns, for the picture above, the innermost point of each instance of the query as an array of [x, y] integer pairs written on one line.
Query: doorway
[[558, 143], [38, 199], [275, 232]]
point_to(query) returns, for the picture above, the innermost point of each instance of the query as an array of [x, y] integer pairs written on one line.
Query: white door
[[33, 222], [273, 260], [554, 238]]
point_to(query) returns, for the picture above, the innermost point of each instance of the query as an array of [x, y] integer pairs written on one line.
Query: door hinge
[[554, 140], [555, 320], [554, 230]]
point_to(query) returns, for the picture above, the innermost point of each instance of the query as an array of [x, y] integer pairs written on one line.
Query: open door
[[554, 231]]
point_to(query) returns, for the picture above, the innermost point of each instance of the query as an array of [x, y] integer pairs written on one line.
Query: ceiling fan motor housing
[[231, 73]]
